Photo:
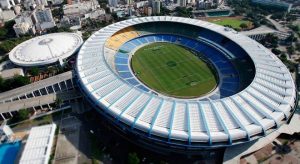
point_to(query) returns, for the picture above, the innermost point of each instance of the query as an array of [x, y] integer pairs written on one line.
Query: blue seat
[[150, 38], [167, 38], [125, 75], [230, 86], [158, 38], [142, 87], [122, 55], [132, 81], [231, 80], [183, 41], [143, 40], [121, 61], [122, 68], [135, 42], [224, 92], [227, 71]]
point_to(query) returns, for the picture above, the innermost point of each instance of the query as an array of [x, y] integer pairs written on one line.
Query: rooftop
[[45, 49]]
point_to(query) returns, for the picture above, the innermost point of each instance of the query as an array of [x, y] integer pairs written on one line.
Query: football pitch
[[173, 70]]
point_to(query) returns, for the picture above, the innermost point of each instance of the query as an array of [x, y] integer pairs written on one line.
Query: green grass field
[[233, 22], [173, 70]]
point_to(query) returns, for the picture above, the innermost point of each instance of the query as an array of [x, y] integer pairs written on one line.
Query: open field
[[234, 22], [173, 70]]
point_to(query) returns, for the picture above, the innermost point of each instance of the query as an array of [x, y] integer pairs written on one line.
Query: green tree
[[276, 51], [290, 50], [34, 71], [58, 102], [243, 25], [22, 114], [15, 82], [133, 158]]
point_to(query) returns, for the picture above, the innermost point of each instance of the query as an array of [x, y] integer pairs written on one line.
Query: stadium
[[185, 83]]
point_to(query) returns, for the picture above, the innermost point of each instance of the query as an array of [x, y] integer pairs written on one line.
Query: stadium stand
[[251, 100]]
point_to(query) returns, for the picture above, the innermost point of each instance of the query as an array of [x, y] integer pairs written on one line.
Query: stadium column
[[261, 110], [3, 116], [202, 115], [128, 105], [155, 117], [221, 120], [53, 89], [188, 122], [40, 92], [141, 111], [106, 84], [236, 119], [249, 115], [172, 120], [46, 91]]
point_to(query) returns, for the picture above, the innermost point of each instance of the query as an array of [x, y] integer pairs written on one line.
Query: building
[[113, 3], [156, 7], [38, 145], [150, 3], [148, 11], [23, 28], [7, 15], [69, 21], [250, 110], [43, 19], [129, 2], [274, 4], [24, 24], [7, 4], [141, 4], [48, 49], [83, 9], [6, 134], [41, 2], [10, 73], [181, 3]]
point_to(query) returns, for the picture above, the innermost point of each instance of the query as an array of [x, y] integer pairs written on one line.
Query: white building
[[113, 3], [7, 4], [45, 49], [39, 144], [24, 24], [181, 3], [43, 19], [82, 8], [41, 2], [23, 28], [141, 4], [156, 7], [10, 73]]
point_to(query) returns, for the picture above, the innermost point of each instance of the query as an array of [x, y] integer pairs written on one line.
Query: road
[[277, 25]]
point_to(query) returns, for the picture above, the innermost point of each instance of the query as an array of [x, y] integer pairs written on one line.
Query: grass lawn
[[173, 70], [234, 22]]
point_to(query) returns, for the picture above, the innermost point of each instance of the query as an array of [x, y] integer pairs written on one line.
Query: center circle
[[45, 41], [174, 70]]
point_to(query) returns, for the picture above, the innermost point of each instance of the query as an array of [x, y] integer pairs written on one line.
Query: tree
[[58, 102], [133, 158], [243, 25], [15, 82], [34, 71], [22, 114], [276, 51], [290, 50]]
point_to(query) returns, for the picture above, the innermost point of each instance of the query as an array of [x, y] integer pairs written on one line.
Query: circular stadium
[[185, 83], [45, 49]]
